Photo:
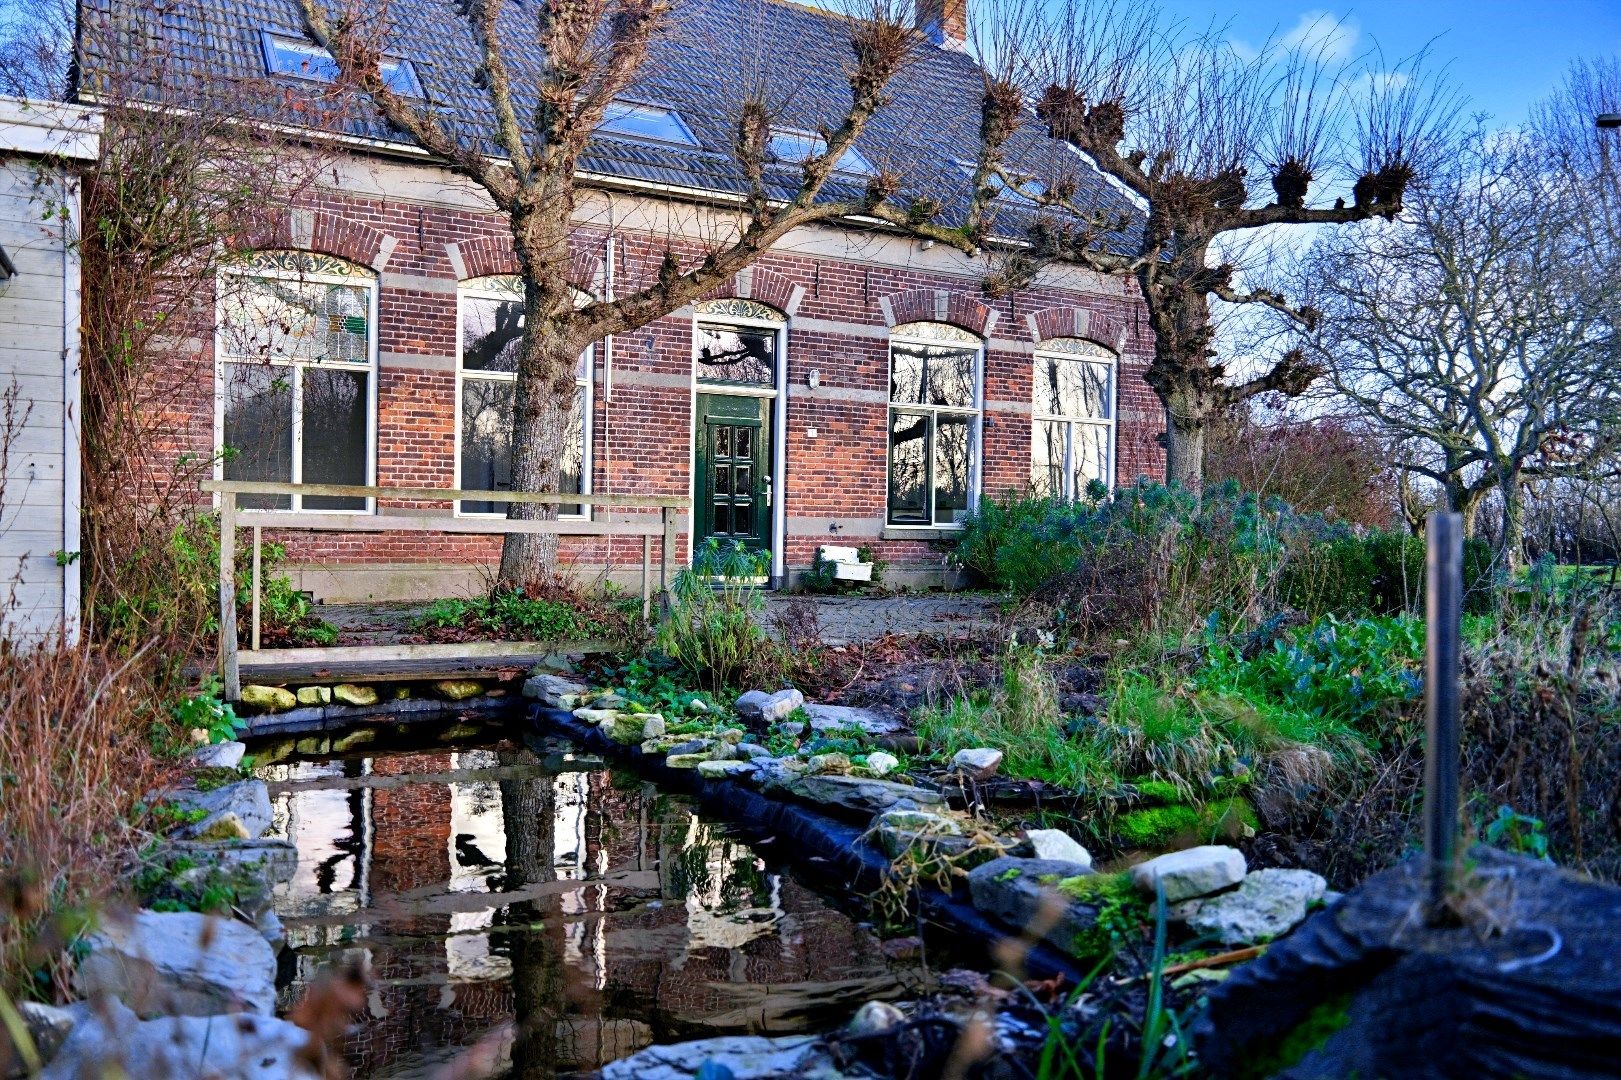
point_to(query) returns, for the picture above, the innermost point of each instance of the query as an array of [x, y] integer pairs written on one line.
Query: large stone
[[900, 830], [874, 1018], [556, 691], [47, 1026], [458, 689], [978, 763], [274, 861], [1058, 845], [596, 717], [354, 694], [1196, 871], [881, 764], [752, 751], [631, 729], [180, 963], [722, 770], [759, 708], [824, 718], [838, 764], [268, 698], [239, 811], [315, 695], [1022, 894], [221, 755], [1267, 904], [112, 1041], [736, 1057], [860, 794]]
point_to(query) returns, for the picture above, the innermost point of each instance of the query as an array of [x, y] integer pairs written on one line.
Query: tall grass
[[75, 765]]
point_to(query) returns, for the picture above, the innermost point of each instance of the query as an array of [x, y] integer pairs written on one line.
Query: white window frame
[[505, 287], [937, 334], [746, 315], [1078, 350], [222, 356]]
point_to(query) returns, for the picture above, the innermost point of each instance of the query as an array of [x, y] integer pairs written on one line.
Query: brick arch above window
[[493, 256], [762, 286], [324, 233], [938, 305], [1065, 321]]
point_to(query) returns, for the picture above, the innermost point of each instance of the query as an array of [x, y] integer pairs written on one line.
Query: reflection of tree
[[493, 328], [738, 356], [528, 817]]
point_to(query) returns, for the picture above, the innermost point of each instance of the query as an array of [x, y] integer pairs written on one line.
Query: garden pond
[[523, 909]]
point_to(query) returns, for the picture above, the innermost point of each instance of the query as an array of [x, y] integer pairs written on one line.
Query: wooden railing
[[389, 519]]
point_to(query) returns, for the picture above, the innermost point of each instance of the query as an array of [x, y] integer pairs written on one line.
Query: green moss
[[1310, 1034], [1156, 825], [1159, 792], [1122, 912], [1231, 817]]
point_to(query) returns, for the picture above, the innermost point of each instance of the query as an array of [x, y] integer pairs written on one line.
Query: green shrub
[[712, 630], [1380, 573], [514, 615]]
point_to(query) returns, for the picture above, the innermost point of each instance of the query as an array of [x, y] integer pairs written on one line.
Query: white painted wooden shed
[[39, 356]]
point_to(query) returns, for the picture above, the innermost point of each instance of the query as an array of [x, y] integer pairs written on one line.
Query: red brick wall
[[643, 433]]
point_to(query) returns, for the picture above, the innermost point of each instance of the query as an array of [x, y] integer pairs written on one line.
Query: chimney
[[944, 22]]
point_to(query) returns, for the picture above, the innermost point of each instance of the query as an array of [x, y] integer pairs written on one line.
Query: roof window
[[799, 147], [306, 60], [651, 122]]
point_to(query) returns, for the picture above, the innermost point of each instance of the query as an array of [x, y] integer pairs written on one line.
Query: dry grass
[[74, 766]]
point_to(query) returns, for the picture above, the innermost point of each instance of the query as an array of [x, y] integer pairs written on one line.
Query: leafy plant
[[207, 711], [712, 630], [1518, 833]]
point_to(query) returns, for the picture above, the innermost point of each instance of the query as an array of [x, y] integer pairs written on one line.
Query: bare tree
[[1219, 146], [550, 73], [1476, 330]]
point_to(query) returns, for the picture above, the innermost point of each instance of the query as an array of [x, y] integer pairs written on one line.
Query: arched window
[[934, 416], [1072, 422], [296, 355], [490, 328]]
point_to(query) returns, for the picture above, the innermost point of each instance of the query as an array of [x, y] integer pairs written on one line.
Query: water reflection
[[554, 913]]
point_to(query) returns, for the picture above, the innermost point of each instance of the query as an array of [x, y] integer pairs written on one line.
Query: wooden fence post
[[230, 673]]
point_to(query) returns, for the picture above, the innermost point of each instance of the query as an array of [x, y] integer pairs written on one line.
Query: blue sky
[[1504, 54]]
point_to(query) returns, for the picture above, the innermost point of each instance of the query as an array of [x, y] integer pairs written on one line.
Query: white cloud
[[1368, 84], [1327, 36]]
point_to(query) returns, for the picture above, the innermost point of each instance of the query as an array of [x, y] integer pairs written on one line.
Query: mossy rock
[[1231, 819], [1158, 826], [353, 739], [269, 698], [207, 779], [354, 694], [315, 695], [458, 689], [1151, 792]]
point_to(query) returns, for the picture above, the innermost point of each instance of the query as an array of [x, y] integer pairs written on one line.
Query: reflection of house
[[39, 362], [640, 921], [853, 387]]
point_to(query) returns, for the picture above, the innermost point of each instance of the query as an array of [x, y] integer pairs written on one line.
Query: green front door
[[733, 470]]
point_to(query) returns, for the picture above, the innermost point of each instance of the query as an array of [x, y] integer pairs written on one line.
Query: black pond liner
[[824, 851]]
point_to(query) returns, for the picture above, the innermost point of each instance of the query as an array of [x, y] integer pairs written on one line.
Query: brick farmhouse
[[854, 387]]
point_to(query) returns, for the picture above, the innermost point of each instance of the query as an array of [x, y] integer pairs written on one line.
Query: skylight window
[[1024, 193], [307, 60], [799, 147], [649, 122]]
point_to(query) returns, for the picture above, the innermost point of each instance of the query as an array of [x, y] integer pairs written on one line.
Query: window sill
[[920, 532]]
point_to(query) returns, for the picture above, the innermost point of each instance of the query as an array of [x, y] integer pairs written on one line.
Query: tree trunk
[[542, 399], [1184, 448], [529, 818], [1511, 544]]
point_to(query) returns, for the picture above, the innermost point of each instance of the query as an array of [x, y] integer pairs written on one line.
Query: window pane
[[1072, 388], [737, 355], [486, 441], [296, 320], [491, 333], [1047, 458], [951, 465], [1091, 455], [259, 429], [932, 375], [334, 434], [742, 519], [646, 122], [571, 467], [909, 468]]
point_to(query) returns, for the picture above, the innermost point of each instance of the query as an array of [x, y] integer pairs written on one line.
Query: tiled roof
[[698, 67]]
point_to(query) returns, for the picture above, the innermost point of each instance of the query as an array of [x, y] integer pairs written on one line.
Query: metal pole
[[231, 673], [1443, 616]]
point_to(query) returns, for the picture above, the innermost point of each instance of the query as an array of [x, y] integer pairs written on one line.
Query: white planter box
[[852, 571]]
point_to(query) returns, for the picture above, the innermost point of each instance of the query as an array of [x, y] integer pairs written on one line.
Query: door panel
[[733, 469]]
